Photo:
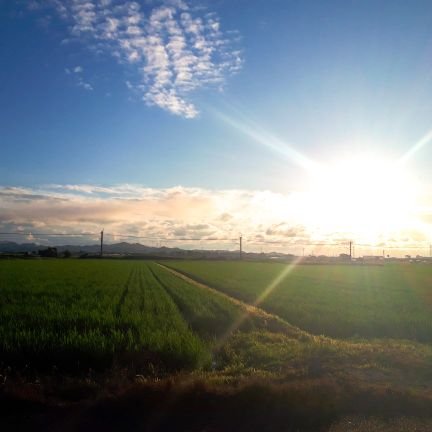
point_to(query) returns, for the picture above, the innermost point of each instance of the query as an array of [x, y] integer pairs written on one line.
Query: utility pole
[[241, 249], [101, 239], [350, 249]]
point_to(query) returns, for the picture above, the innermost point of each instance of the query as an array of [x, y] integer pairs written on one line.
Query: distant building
[[372, 258], [344, 257]]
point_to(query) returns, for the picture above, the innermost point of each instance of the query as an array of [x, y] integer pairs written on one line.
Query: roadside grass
[[199, 403], [399, 364]]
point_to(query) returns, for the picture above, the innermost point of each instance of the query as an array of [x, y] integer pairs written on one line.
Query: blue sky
[[88, 98]]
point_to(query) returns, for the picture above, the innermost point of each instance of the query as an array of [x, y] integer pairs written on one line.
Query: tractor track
[[132, 274]]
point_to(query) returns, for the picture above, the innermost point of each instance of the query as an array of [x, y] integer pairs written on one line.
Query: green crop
[[342, 301], [79, 313]]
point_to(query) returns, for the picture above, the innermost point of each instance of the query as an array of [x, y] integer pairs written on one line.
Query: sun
[[365, 196]]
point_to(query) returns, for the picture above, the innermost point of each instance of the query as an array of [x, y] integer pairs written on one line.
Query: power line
[[48, 234], [120, 235], [392, 247], [174, 239], [285, 243]]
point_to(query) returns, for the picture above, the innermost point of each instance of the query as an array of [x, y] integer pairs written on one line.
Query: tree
[[50, 252]]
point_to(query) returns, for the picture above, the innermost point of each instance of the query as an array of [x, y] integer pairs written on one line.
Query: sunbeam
[[249, 308], [427, 138], [263, 137]]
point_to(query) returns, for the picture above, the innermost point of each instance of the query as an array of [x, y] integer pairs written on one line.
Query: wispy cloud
[[77, 72], [173, 47], [84, 85]]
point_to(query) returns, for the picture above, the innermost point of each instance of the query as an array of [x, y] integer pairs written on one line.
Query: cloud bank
[[267, 220], [173, 47]]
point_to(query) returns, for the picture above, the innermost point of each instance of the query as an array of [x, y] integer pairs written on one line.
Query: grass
[[392, 301]]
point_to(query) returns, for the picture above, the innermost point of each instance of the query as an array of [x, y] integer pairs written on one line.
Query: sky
[[286, 121]]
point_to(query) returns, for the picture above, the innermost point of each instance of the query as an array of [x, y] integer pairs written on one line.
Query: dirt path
[[271, 322]]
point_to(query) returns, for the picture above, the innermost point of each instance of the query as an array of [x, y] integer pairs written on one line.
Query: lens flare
[[365, 196]]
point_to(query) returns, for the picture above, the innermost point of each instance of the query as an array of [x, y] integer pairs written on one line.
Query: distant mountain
[[12, 247], [123, 248]]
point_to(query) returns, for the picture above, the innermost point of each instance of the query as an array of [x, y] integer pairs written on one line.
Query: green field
[[100, 314], [392, 301]]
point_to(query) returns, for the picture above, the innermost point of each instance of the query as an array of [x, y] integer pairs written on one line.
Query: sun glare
[[364, 196]]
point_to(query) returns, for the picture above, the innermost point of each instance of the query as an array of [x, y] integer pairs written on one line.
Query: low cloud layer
[[267, 220], [173, 46]]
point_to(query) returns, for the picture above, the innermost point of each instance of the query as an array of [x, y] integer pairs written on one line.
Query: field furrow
[[125, 291]]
